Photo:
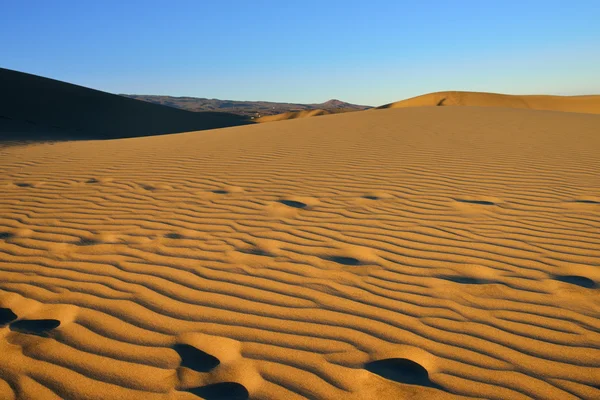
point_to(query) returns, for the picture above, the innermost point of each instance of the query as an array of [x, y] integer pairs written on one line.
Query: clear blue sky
[[369, 52]]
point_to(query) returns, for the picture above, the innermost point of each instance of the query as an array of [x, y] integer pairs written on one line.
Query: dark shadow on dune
[[401, 370], [35, 108], [7, 316], [344, 260], [441, 102], [6, 235], [24, 185], [87, 242], [195, 359], [577, 280], [92, 180], [480, 202], [586, 201], [220, 191], [39, 327], [222, 391], [371, 197], [255, 251], [174, 236], [292, 203], [466, 280]]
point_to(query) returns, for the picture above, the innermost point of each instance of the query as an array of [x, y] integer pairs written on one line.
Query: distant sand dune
[[582, 104], [292, 115], [424, 253]]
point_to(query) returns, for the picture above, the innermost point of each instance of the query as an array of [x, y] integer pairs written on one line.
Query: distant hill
[[37, 108], [247, 108], [582, 104]]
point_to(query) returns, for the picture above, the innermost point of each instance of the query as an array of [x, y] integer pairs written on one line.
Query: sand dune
[[292, 115], [581, 104], [423, 253], [34, 108]]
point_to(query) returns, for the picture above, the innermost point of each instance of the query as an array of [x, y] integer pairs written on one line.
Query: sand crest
[[581, 104]]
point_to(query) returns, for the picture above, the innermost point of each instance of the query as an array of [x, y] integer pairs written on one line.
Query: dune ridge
[[581, 104], [293, 115], [35, 108], [423, 253]]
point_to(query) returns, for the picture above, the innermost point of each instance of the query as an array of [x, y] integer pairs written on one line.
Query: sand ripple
[[402, 253]]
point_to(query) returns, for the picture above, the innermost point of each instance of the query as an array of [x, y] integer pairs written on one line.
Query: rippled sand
[[422, 253]]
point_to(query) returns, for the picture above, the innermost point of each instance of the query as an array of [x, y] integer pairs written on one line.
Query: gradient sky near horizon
[[307, 52]]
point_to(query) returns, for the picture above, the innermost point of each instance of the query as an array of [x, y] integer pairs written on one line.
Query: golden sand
[[292, 115], [423, 253], [581, 104]]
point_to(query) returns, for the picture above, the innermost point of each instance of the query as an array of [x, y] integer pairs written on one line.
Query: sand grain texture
[[424, 253]]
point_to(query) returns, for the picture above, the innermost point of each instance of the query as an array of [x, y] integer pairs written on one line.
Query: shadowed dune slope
[[33, 107], [581, 104], [422, 253]]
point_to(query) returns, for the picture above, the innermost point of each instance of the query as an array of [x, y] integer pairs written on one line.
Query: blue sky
[[307, 51]]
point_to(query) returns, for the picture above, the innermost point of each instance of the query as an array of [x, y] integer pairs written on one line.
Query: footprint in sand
[[289, 207], [577, 280], [200, 361], [222, 391], [293, 203], [24, 184], [377, 195], [228, 190], [196, 359], [38, 327], [220, 192], [7, 316], [25, 317], [402, 370], [351, 261], [213, 377], [351, 255]]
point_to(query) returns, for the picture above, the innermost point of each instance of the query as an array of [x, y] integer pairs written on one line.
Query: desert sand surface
[[37, 108], [292, 115], [411, 253], [580, 104]]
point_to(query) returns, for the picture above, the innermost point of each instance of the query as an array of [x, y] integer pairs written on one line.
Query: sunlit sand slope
[[582, 104], [292, 115], [425, 253]]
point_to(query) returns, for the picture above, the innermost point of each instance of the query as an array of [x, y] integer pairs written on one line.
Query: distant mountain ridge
[[246, 108]]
